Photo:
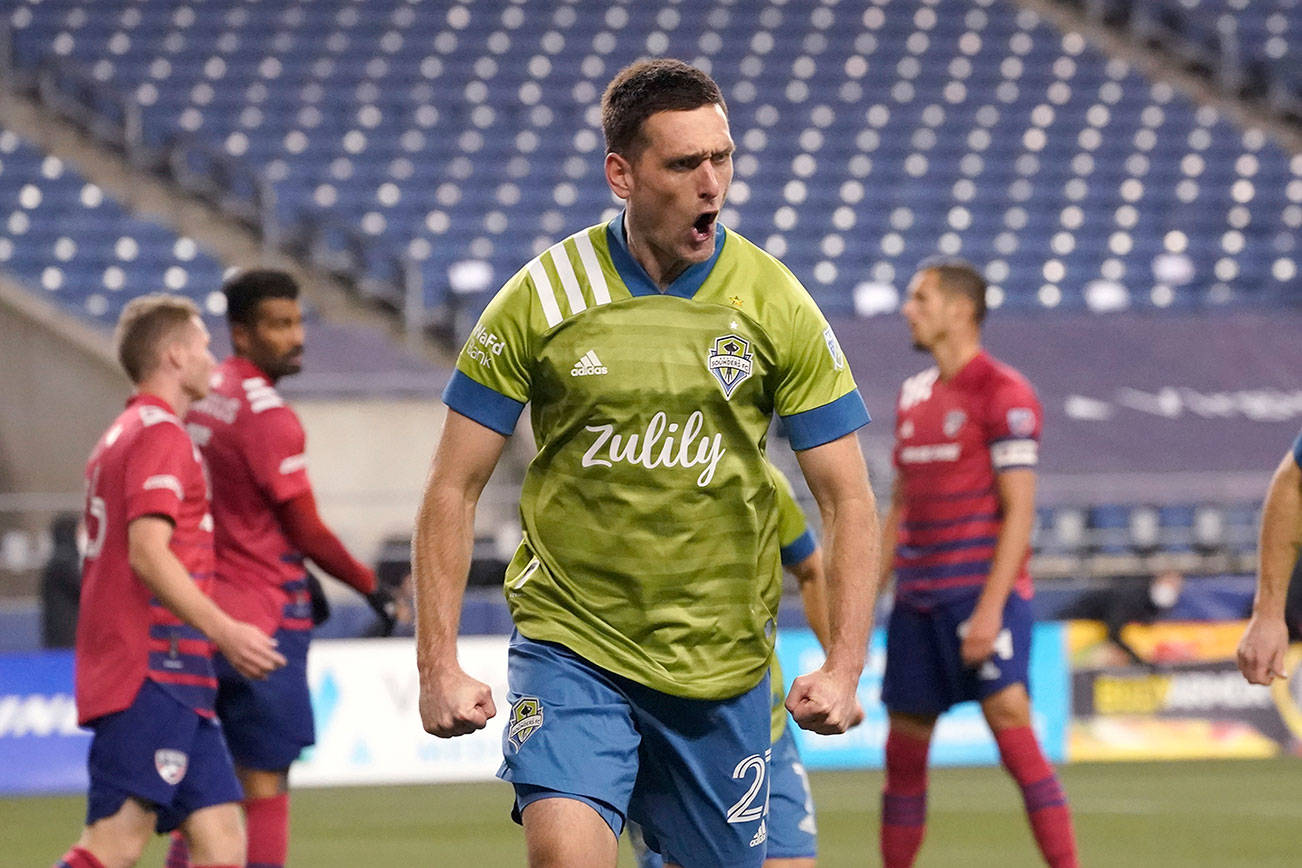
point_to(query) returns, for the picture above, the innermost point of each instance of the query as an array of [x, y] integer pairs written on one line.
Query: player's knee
[[1007, 709], [217, 837], [119, 849], [262, 784], [120, 840]]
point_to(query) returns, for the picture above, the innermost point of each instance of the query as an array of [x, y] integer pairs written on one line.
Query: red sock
[[904, 799], [268, 822], [178, 855], [219, 866], [1046, 804], [78, 857]]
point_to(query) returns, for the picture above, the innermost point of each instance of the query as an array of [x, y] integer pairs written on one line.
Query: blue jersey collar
[[635, 276]]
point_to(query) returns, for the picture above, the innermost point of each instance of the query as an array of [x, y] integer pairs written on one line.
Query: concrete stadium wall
[[59, 387]]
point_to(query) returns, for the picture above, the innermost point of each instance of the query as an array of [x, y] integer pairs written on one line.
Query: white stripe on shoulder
[[293, 464], [570, 283], [546, 296], [592, 268], [165, 480]]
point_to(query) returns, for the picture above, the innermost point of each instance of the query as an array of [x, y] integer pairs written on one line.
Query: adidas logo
[[588, 366]]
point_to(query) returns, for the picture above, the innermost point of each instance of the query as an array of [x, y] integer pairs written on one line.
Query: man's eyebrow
[[700, 155]]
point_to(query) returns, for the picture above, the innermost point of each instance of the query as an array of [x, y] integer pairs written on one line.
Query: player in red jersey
[[960, 518], [144, 677], [267, 523]]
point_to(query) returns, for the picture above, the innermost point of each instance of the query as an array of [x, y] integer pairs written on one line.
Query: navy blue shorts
[[692, 773], [268, 722], [924, 668], [162, 753]]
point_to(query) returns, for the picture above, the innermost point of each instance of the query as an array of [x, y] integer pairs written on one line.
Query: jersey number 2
[[745, 810]]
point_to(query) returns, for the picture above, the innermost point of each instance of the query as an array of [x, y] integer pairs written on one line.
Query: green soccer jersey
[[650, 532], [796, 543]]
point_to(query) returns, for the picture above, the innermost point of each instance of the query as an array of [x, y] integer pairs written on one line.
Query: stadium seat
[[870, 135]]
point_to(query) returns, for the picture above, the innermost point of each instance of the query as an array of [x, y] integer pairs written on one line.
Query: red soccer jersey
[[254, 446], [143, 465], [951, 439]]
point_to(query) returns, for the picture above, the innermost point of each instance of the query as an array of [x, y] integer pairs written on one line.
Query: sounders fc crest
[[526, 719], [730, 361]]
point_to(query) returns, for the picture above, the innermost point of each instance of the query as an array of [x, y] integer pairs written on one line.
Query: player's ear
[[619, 175], [240, 338]]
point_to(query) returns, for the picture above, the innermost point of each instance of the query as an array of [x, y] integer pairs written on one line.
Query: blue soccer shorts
[[692, 773], [268, 723], [162, 753], [792, 832], [925, 673]]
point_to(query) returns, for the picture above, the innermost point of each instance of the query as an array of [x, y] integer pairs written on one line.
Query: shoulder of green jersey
[[765, 264], [567, 278]]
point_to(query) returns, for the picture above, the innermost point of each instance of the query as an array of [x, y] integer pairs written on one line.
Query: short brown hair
[[146, 322], [645, 87], [959, 277]]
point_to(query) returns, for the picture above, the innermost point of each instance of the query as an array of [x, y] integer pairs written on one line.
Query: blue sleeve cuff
[[828, 422], [1297, 450], [797, 551], [476, 401]]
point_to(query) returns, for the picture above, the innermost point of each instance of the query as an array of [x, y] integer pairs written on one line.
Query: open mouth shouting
[[703, 228]]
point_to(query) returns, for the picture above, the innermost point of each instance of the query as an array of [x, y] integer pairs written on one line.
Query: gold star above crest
[[736, 300]]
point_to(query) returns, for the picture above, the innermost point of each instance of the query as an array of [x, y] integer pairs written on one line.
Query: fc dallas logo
[[171, 765]]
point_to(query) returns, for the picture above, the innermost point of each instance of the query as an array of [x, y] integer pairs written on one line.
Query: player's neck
[[168, 392], [953, 355], [261, 370], [662, 273]]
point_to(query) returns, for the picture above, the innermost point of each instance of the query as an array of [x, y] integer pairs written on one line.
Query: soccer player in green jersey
[[653, 350]]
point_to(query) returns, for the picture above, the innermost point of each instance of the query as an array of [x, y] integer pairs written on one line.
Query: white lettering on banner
[[1200, 691], [929, 453], [365, 702], [37, 714], [1176, 402], [668, 454]]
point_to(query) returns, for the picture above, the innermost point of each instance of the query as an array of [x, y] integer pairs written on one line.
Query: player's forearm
[[1279, 540], [851, 543], [441, 547], [1017, 508], [890, 534], [1010, 548], [309, 534], [166, 578], [812, 581]]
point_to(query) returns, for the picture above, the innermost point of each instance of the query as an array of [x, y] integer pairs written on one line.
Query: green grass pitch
[[1215, 814]]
